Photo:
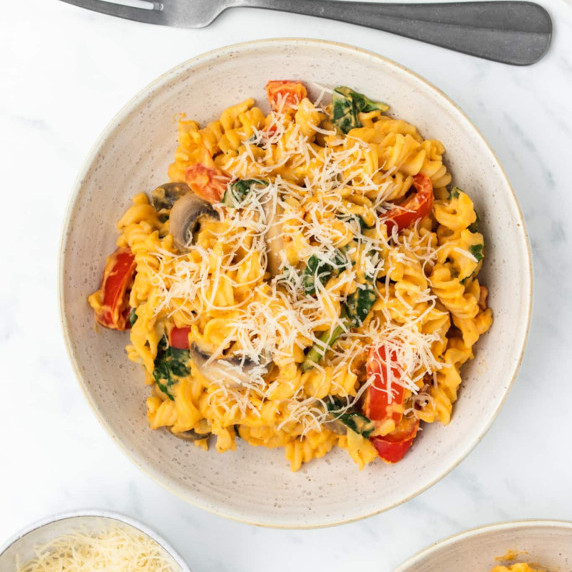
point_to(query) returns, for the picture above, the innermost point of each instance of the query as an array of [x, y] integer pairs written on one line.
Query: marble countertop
[[64, 72]]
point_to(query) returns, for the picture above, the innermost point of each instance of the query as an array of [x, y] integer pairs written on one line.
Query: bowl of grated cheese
[[254, 484], [89, 540]]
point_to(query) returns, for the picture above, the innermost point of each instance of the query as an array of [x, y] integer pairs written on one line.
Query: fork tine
[[152, 16]]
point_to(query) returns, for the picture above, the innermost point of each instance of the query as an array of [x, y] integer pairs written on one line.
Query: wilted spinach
[[169, 363], [351, 418], [321, 270], [359, 304], [235, 194], [474, 227], [477, 251], [347, 104]]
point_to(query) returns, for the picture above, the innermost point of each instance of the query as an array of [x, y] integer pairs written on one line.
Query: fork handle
[[516, 33]]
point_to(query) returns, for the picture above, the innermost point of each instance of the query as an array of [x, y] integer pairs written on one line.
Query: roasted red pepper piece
[[415, 207], [285, 94], [113, 294]]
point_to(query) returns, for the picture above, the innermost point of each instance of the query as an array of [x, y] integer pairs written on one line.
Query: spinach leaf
[[347, 104], [132, 317], [477, 251], [474, 227], [322, 271], [169, 363], [454, 192], [352, 418], [344, 115], [235, 194], [359, 304], [312, 271]]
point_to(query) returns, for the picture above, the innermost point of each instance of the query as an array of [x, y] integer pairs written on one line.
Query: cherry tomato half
[[284, 94], [113, 294], [415, 207], [377, 406], [179, 338], [392, 447], [208, 183]]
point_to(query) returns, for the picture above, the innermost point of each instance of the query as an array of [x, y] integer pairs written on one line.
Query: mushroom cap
[[165, 196], [335, 426], [184, 218], [234, 370]]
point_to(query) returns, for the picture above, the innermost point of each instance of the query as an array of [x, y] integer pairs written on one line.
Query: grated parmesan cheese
[[288, 317], [114, 549]]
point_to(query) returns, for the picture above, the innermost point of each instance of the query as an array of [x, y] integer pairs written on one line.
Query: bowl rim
[[529, 523], [95, 513], [123, 113]]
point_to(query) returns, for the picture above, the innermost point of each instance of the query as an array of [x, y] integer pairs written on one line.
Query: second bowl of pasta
[[519, 546]]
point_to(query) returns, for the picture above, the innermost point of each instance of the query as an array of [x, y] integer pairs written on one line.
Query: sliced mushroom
[[165, 196], [234, 370], [185, 216], [335, 426], [274, 242], [190, 435]]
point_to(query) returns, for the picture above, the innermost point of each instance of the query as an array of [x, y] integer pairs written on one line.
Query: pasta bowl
[[254, 484], [22, 547], [544, 543]]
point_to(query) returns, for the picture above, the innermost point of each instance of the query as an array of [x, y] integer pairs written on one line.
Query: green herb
[[322, 271], [474, 227], [169, 364], [132, 317], [359, 304], [454, 193], [235, 194], [352, 418], [346, 106], [253, 140], [344, 115], [312, 271], [477, 251]]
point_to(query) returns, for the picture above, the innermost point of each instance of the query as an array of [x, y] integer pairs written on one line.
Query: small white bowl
[[547, 543], [254, 484], [21, 546]]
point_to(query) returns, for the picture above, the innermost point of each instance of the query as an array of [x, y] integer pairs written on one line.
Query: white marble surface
[[63, 73]]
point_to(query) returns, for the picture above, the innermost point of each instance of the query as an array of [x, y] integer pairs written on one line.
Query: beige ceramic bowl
[[255, 484], [20, 548], [546, 543]]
